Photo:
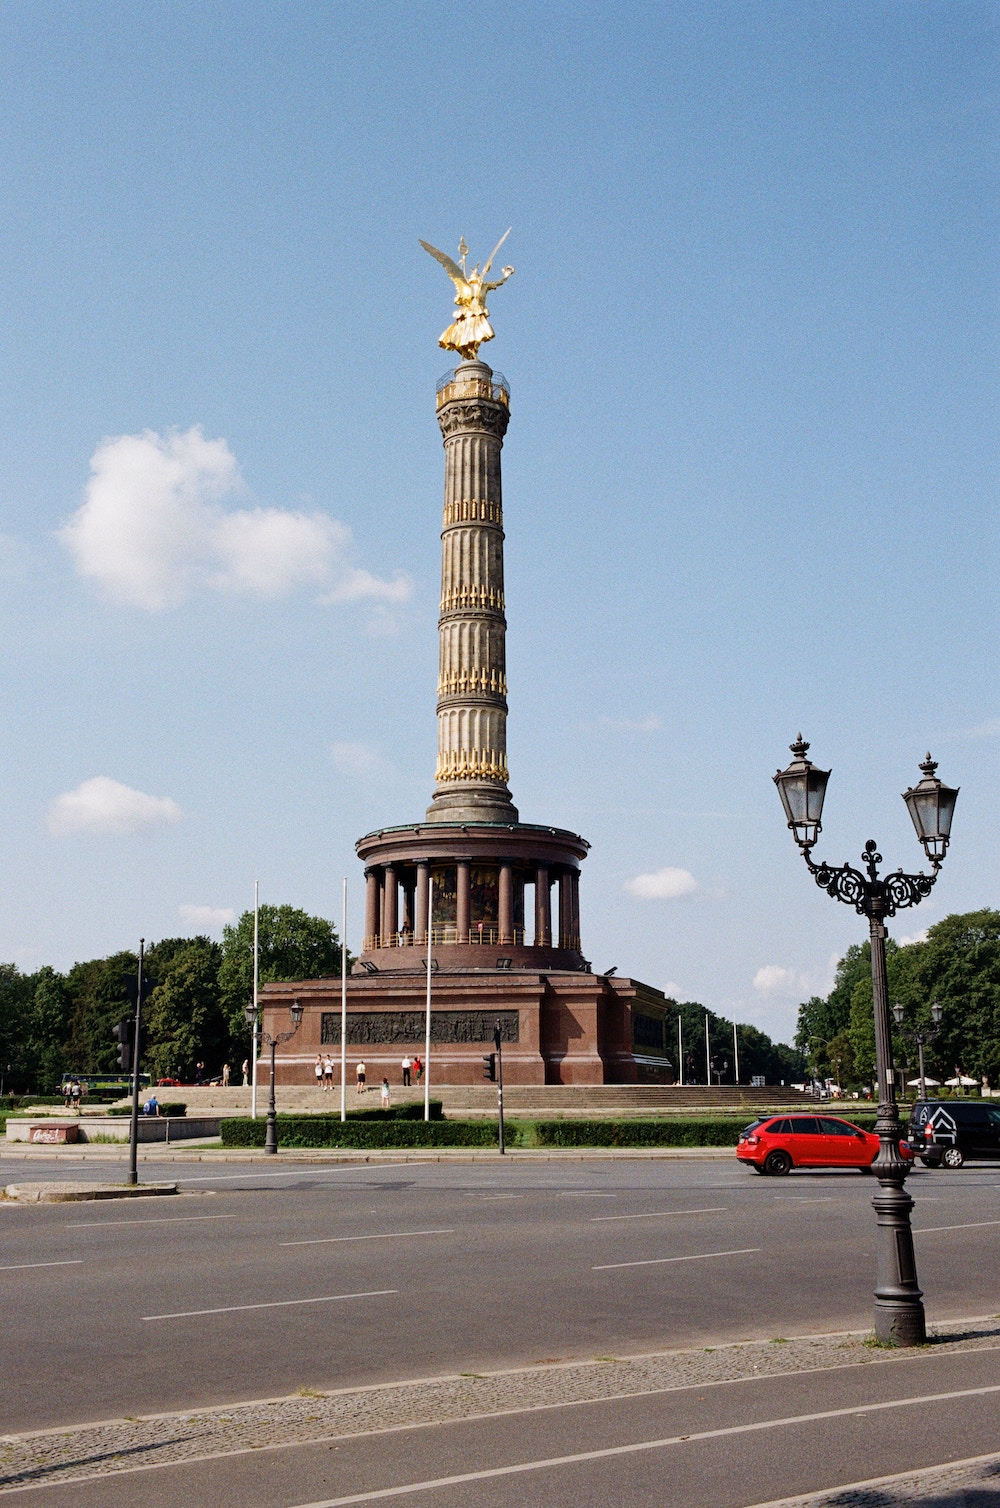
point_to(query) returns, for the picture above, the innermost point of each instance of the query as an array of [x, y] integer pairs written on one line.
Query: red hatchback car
[[778, 1143]]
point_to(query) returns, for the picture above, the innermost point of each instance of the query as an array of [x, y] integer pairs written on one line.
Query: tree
[[185, 1023], [48, 1021], [16, 994], [97, 999], [958, 965], [293, 945]]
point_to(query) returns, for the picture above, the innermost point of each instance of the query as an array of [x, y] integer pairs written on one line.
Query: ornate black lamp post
[[295, 1011], [919, 1038], [899, 1313]]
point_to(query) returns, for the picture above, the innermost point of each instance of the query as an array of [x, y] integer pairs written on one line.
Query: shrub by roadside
[[368, 1133]]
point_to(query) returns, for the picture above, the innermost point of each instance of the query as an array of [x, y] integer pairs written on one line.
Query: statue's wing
[[451, 268], [496, 248]]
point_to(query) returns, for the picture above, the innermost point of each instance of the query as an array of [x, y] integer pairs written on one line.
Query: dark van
[[943, 1133]]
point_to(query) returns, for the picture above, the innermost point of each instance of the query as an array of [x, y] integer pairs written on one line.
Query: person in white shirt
[[407, 1065]]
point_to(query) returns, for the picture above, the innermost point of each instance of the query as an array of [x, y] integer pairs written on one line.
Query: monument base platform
[[557, 1026]]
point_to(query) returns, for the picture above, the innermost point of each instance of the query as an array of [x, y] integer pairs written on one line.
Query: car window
[[780, 1128], [753, 1126], [835, 1128], [804, 1125], [994, 1116], [970, 1115]]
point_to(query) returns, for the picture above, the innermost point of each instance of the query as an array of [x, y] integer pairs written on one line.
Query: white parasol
[[931, 1083], [962, 1079]]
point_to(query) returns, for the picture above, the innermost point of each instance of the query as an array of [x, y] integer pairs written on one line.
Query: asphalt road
[[260, 1281]]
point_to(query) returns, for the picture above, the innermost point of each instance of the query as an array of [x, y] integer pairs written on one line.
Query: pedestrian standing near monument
[[386, 1094], [246, 1073], [361, 1078], [328, 1072], [318, 1071], [225, 1075], [406, 1065], [418, 1067]]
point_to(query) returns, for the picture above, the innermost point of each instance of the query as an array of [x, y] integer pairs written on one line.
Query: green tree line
[[957, 965], [775, 1062], [52, 1023]]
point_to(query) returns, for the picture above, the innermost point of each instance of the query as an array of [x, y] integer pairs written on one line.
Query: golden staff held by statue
[[471, 327]]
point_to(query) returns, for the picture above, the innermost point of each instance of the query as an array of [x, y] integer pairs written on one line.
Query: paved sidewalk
[[961, 1484], [193, 1152], [112, 1447]]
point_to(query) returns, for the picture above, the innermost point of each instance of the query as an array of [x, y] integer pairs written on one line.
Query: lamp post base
[[271, 1134], [899, 1310]]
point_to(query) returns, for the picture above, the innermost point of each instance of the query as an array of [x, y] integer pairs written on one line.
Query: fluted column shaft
[[471, 777]]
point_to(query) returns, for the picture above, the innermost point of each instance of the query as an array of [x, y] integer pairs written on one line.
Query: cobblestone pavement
[[963, 1484], [114, 1446]]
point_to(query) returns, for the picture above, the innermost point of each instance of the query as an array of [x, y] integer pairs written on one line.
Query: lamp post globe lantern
[[802, 788], [931, 806], [899, 1311]]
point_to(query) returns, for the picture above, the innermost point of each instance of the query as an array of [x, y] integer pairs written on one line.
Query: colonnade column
[[422, 920], [505, 908], [371, 907], [575, 907], [543, 924], [390, 922], [565, 909], [463, 907]]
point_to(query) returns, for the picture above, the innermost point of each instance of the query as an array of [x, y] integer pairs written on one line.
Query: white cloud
[[772, 979], [360, 760], [152, 529], [989, 729], [664, 885], [915, 937], [101, 805], [208, 918]]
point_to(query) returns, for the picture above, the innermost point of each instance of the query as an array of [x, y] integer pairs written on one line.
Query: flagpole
[[427, 1031], [256, 982], [343, 1007]]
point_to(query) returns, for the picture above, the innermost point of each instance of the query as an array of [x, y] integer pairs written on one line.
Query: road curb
[[68, 1193]]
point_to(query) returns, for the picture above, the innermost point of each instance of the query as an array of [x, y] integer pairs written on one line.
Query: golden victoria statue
[[471, 326]]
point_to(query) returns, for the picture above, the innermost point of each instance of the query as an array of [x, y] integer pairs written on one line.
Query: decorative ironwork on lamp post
[[919, 1039], [899, 1312], [295, 1010]]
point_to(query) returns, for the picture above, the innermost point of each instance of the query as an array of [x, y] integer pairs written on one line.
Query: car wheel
[[756, 1169], [953, 1157], [931, 1162], [777, 1163]]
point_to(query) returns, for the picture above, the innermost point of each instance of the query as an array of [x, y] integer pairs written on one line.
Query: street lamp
[[899, 1313], [920, 1038], [295, 1011]]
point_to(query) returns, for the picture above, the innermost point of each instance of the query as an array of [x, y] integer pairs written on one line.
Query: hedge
[[320, 1131], [691, 1131]]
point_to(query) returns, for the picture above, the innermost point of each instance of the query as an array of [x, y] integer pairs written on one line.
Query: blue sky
[[749, 481]]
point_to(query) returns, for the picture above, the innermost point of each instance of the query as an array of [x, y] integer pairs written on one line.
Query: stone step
[[536, 1099]]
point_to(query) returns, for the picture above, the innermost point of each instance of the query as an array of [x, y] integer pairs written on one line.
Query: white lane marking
[[20, 1266], [804, 1198], [713, 1209], [927, 1230], [142, 1220], [347, 1167], [610, 1452], [328, 1298], [390, 1235], [586, 1194], [702, 1256], [492, 1196]]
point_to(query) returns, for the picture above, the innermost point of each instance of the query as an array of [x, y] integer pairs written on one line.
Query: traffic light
[[132, 985], [490, 1066], [122, 1033]]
